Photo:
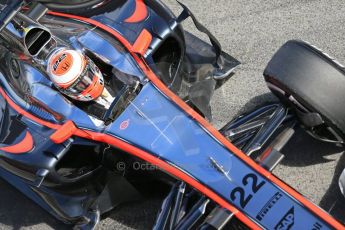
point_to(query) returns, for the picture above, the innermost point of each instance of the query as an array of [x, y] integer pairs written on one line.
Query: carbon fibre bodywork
[[61, 153], [36, 165]]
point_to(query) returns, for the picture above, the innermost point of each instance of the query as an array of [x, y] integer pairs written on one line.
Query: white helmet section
[[65, 66], [75, 75]]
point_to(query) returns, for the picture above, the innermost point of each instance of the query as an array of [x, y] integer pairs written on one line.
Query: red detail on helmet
[[140, 12], [95, 89], [76, 75], [61, 63], [24, 146]]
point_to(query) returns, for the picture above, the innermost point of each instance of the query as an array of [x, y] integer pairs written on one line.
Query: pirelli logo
[[274, 199], [287, 221]]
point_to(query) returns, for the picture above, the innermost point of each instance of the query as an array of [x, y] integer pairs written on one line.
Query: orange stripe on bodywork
[[65, 132], [140, 12], [24, 146], [142, 43], [214, 132]]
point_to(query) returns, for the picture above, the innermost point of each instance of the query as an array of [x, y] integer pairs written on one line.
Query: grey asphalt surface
[[251, 31]]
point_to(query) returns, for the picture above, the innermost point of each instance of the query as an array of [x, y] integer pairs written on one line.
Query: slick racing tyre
[[313, 83]]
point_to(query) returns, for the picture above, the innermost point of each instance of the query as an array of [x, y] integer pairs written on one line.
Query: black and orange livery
[[63, 153]]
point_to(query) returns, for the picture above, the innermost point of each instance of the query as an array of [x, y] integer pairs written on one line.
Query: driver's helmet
[[75, 75]]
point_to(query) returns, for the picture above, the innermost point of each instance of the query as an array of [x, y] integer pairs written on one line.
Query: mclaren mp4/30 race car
[[88, 85]]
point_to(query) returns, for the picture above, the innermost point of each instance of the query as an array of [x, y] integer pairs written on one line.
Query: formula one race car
[[103, 101]]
